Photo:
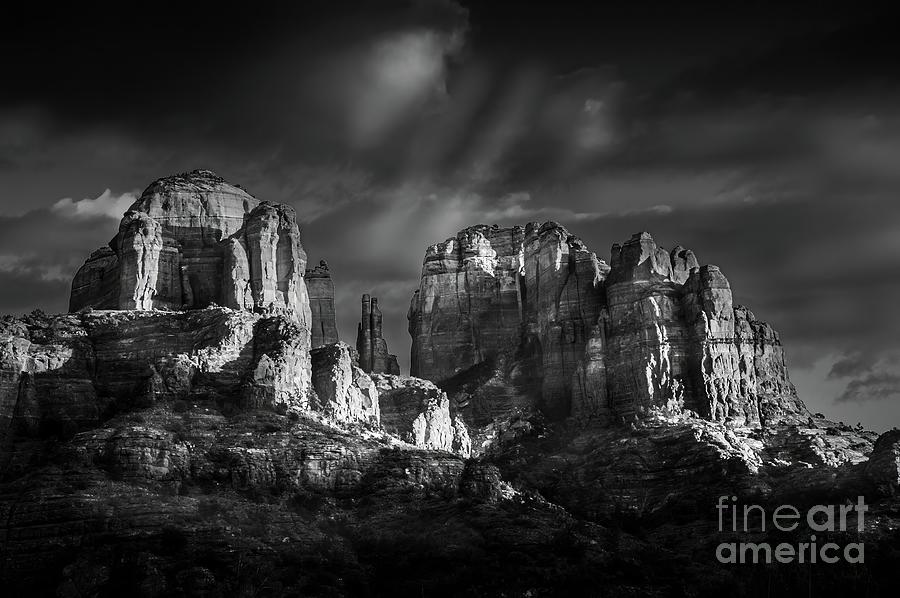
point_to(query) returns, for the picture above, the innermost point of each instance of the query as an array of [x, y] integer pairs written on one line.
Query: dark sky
[[764, 137]]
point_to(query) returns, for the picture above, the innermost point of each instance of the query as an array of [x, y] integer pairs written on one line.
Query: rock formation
[[345, 392], [528, 316], [883, 465], [193, 240], [179, 449], [670, 338], [69, 372], [418, 412], [371, 346], [321, 303]]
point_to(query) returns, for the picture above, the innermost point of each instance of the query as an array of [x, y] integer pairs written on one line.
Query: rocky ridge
[[68, 373]]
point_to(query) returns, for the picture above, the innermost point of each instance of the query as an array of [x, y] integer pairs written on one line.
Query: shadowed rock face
[[192, 240], [370, 344], [519, 317], [321, 303]]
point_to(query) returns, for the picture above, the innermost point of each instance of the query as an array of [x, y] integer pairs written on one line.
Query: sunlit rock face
[[419, 413], [193, 240], [672, 340], [515, 318], [520, 300], [68, 372], [345, 391]]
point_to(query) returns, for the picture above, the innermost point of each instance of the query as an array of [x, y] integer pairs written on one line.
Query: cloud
[[33, 265], [402, 70], [870, 374], [107, 204], [21, 292], [40, 251], [851, 365], [876, 386]]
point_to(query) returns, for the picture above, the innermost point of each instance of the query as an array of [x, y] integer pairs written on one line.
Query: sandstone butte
[[529, 315], [194, 426]]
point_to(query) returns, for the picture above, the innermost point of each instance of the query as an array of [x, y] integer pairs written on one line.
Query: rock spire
[[370, 344]]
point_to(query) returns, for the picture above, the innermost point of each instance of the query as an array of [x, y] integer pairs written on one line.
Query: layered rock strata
[[419, 413], [670, 338], [321, 302], [193, 240], [681, 465], [528, 316], [66, 373], [520, 301], [373, 352], [179, 492]]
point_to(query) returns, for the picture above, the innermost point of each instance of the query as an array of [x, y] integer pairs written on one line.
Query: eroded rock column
[[140, 244], [372, 348], [321, 303]]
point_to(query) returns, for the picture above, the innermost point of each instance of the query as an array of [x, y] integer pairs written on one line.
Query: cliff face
[[528, 316], [192, 240], [68, 373], [321, 302], [670, 338], [520, 301]]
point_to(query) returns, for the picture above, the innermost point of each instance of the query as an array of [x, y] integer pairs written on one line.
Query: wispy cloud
[[876, 386], [105, 205], [35, 266]]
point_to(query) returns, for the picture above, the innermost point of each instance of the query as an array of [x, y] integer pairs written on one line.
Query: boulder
[[345, 392], [883, 466], [419, 413]]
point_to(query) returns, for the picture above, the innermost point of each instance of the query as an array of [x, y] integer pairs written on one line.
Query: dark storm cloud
[[872, 387], [853, 364]]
